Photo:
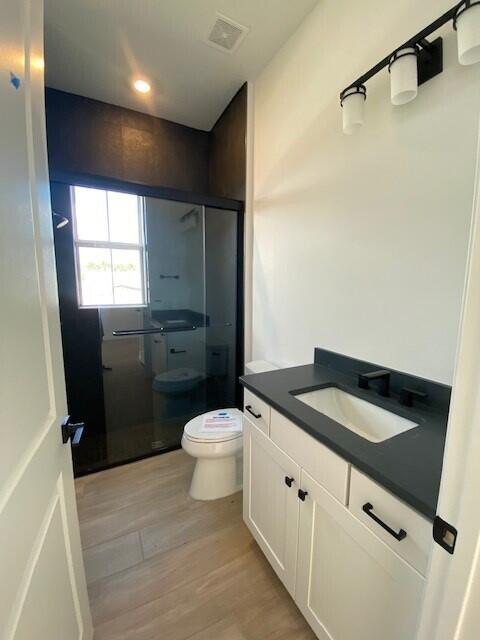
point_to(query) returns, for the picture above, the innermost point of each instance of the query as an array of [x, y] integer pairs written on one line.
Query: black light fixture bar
[[418, 40]]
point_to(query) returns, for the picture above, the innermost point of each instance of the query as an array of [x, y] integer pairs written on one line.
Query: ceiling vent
[[226, 34]]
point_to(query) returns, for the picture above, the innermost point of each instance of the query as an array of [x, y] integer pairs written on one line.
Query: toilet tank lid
[[259, 366]]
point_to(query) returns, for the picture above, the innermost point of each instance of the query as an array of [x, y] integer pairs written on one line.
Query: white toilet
[[218, 470]]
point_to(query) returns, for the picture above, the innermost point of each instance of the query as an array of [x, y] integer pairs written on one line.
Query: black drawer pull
[[368, 508], [289, 481], [255, 415], [302, 495]]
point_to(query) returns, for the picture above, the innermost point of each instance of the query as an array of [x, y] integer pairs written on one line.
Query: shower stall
[[150, 314]]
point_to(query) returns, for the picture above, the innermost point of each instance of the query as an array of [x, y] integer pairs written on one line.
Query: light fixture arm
[[430, 49]]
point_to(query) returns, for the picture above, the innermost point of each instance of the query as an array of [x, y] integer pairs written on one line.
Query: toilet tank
[[217, 360], [259, 366]]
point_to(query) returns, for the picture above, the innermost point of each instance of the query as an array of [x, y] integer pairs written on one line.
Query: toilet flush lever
[[72, 430]]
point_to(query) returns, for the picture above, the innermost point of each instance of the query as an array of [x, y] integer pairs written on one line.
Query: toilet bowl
[[218, 470], [174, 394]]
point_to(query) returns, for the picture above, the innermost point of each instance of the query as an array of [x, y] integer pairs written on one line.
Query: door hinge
[[444, 534]]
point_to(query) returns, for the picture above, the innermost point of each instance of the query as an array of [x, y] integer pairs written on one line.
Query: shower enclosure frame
[[69, 179]]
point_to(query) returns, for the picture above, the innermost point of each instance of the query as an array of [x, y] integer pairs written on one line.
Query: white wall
[[175, 248], [360, 241]]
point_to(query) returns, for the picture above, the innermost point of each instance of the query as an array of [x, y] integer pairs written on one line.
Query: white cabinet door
[[271, 506], [350, 584], [43, 594]]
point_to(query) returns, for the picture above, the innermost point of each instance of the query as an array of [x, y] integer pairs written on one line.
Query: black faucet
[[383, 376], [407, 395]]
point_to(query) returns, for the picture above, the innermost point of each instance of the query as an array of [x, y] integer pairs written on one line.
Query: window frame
[[108, 244]]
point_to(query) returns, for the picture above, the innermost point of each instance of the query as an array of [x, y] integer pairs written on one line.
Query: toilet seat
[[218, 466], [193, 429]]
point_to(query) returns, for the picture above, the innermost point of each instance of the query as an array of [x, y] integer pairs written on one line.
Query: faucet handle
[[383, 375], [407, 395]]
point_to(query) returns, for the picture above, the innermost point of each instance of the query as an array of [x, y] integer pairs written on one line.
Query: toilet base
[[215, 478]]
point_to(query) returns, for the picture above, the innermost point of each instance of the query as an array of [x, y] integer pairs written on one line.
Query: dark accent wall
[[228, 149], [100, 140], [91, 137], [81, 341], [88, 136]]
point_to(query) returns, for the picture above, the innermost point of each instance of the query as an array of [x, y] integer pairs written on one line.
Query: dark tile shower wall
[[88, 136], [228, 151]]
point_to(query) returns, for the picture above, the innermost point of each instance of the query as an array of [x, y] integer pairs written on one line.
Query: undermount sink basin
[[363, 418]]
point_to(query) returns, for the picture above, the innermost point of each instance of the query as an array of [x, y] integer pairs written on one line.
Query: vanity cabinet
[[271, 506], [350, 577], [351, 585]]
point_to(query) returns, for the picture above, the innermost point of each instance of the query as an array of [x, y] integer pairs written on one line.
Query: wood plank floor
[[162, 566]]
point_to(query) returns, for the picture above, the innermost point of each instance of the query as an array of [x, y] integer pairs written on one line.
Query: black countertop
[[409, 464]]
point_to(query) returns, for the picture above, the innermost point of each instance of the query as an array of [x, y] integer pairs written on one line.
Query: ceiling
[[96, 47]]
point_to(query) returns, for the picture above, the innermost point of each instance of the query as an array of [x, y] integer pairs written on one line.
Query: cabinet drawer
[[257, 411], [394, 513], [324, 466]]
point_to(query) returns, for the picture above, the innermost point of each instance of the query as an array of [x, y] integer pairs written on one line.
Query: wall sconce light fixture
[[352, 101], [416, 61], [59, 221], [403, 68], [466, 23]]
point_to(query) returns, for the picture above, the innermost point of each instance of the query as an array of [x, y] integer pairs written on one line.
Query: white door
[[350, 584], [451, 610], [270, 506], [42, 584]]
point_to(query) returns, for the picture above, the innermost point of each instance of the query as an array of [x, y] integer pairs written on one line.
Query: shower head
[[59, 221]]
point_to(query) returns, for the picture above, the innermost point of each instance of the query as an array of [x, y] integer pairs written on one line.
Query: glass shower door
[[154, 355], [221, 270], [174, 356]]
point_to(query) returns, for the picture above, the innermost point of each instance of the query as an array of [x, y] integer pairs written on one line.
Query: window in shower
[[109, 248]]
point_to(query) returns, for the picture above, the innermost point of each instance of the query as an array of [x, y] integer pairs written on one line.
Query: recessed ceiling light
[[142, 86]]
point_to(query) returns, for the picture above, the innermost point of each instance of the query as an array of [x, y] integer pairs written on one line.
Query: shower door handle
[[72, 431]]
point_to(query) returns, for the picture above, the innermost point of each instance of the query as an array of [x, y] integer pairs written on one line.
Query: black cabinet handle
[[302, 495], [289, 481], [255, 415], [72, 431], [400, 535], [178, 351]]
